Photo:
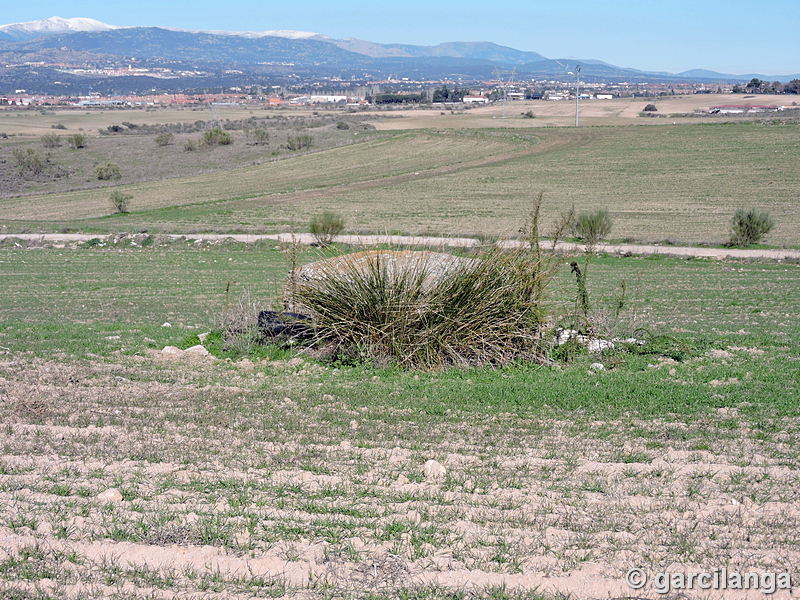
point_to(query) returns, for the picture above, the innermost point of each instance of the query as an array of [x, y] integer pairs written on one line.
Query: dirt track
[[459, 242]]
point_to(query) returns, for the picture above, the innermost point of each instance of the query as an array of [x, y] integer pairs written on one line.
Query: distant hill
[[257, 56]]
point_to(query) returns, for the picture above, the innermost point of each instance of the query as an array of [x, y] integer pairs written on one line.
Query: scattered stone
[[167, 324], [202, 336], [433, 469], [597, 366], [402, 479], [345, 445], [110, 495], [113, 337], [353, 425], [327, 398]]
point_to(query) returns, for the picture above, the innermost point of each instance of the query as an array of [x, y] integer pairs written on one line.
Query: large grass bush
[[326, 226], [749, 227], [486, 311]]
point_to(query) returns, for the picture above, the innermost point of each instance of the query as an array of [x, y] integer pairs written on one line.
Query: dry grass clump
[[239, 324], [487, 311]]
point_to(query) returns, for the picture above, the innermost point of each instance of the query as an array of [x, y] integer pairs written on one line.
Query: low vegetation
[[592, 227], [299, 142], [165, 139], [326, 226], [108, 171], [29, 162], [749, 227], [120, 201], [51, 140], [217, 137], [76, 141]]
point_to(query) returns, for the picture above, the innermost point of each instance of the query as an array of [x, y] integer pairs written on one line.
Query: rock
[[110, 495], [172, 350], [198, 350], [597, 367], [402, 479], [353, 425], [113, 337], [327, 398], [434, 264], [202, 336], [167, 324], [599, 345], [433, 469]]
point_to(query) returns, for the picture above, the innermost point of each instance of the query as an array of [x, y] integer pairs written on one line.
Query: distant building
[[605, 96], [476, 100]]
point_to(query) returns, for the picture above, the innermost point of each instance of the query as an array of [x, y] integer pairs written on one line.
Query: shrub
[[342, 125], [749, 227], [592, 227], [164, 139], [299, 142], [485, 311], [190, 146], [325, 227], [29, 162], [260, 137], [58, 126], [51, 140], [528, 115], [650, 108], [108, 171], [480, 313], [120, 201], [76, 141], [217, 137]]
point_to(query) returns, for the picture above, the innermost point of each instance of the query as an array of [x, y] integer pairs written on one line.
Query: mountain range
[[282, 56]]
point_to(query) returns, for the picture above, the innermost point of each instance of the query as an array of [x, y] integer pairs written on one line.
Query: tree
[[793, 87], [650, 108], [755, 84], [217, 137], [51, 140]]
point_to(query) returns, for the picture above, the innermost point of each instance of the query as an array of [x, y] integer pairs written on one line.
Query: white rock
[[167, 324], [110, 495], [433, 469], [202, 337], [597, 367], [598, 345], [199, 350], [172, 350]]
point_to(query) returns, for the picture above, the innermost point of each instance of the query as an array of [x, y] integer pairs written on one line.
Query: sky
[[730, 36]]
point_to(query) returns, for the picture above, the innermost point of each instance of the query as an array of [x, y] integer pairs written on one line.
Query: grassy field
[[289, 477], [678, 183]]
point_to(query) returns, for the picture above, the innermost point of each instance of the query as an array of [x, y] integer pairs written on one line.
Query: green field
[[678, 183], [269, 474], [131, 472]]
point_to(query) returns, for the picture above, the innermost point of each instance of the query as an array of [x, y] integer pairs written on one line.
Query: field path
[[436, 242]]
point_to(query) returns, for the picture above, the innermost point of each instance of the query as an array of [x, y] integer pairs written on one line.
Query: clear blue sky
[[733, 36]]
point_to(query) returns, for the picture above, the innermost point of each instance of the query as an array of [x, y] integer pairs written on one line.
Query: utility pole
[[577, 94]]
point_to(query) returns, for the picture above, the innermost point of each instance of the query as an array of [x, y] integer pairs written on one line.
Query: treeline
[[443, 94], [759, 86]]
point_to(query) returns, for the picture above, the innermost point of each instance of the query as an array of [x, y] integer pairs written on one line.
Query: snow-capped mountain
[[51, 26], [281, 33]]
